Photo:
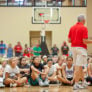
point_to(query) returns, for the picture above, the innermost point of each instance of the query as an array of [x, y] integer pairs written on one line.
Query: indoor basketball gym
[[44, 22]]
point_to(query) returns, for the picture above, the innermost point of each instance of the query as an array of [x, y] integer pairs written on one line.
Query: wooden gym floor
[[45, 89]]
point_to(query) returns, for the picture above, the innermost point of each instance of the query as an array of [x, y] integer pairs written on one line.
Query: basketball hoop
[[46, 21]]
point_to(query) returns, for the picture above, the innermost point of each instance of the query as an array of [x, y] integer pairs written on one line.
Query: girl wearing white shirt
[[12, 74], [67, 72]]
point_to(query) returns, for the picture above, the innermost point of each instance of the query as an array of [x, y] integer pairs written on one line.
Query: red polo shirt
[[77, 33], [18, 48]]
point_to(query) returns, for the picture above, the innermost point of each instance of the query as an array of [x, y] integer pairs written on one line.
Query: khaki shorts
[[79, 56]]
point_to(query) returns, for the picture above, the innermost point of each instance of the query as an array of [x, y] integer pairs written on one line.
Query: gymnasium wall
[[15, 24], [89, 23]]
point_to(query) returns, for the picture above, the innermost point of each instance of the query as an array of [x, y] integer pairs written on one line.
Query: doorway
[[35, 38]]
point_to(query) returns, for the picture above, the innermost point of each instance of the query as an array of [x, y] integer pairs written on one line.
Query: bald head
[[81, 18]]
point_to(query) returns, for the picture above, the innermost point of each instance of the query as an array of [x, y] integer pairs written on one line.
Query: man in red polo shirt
[[78, 37], [18, 49]]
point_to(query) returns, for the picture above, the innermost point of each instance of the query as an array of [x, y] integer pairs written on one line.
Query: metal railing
[[42, 3]]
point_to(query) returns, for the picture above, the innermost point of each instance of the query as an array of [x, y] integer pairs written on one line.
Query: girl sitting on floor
[[67, 77], [12, 74]]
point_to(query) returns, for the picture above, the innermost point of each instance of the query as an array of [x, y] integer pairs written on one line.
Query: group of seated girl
[[39, 71]]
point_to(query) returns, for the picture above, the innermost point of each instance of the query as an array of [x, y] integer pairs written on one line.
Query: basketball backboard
[[46, 13]]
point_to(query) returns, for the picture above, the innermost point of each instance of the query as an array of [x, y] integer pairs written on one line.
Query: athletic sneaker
[[13, 84], [80, 86], [85, 84], [27, 85], [88, 83], [77, 86], [2, 85]]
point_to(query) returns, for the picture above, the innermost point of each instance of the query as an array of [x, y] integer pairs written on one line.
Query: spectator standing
[[9, 51], [2, 48], [64, 49], [37, 50], [54, 50], [26, 47], [18, 49], [27, 53]]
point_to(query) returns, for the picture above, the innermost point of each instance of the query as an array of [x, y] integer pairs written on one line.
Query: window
[[43, 3]]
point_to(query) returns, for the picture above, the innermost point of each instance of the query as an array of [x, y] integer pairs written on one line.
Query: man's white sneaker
[[85, 84], [80, 86]]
